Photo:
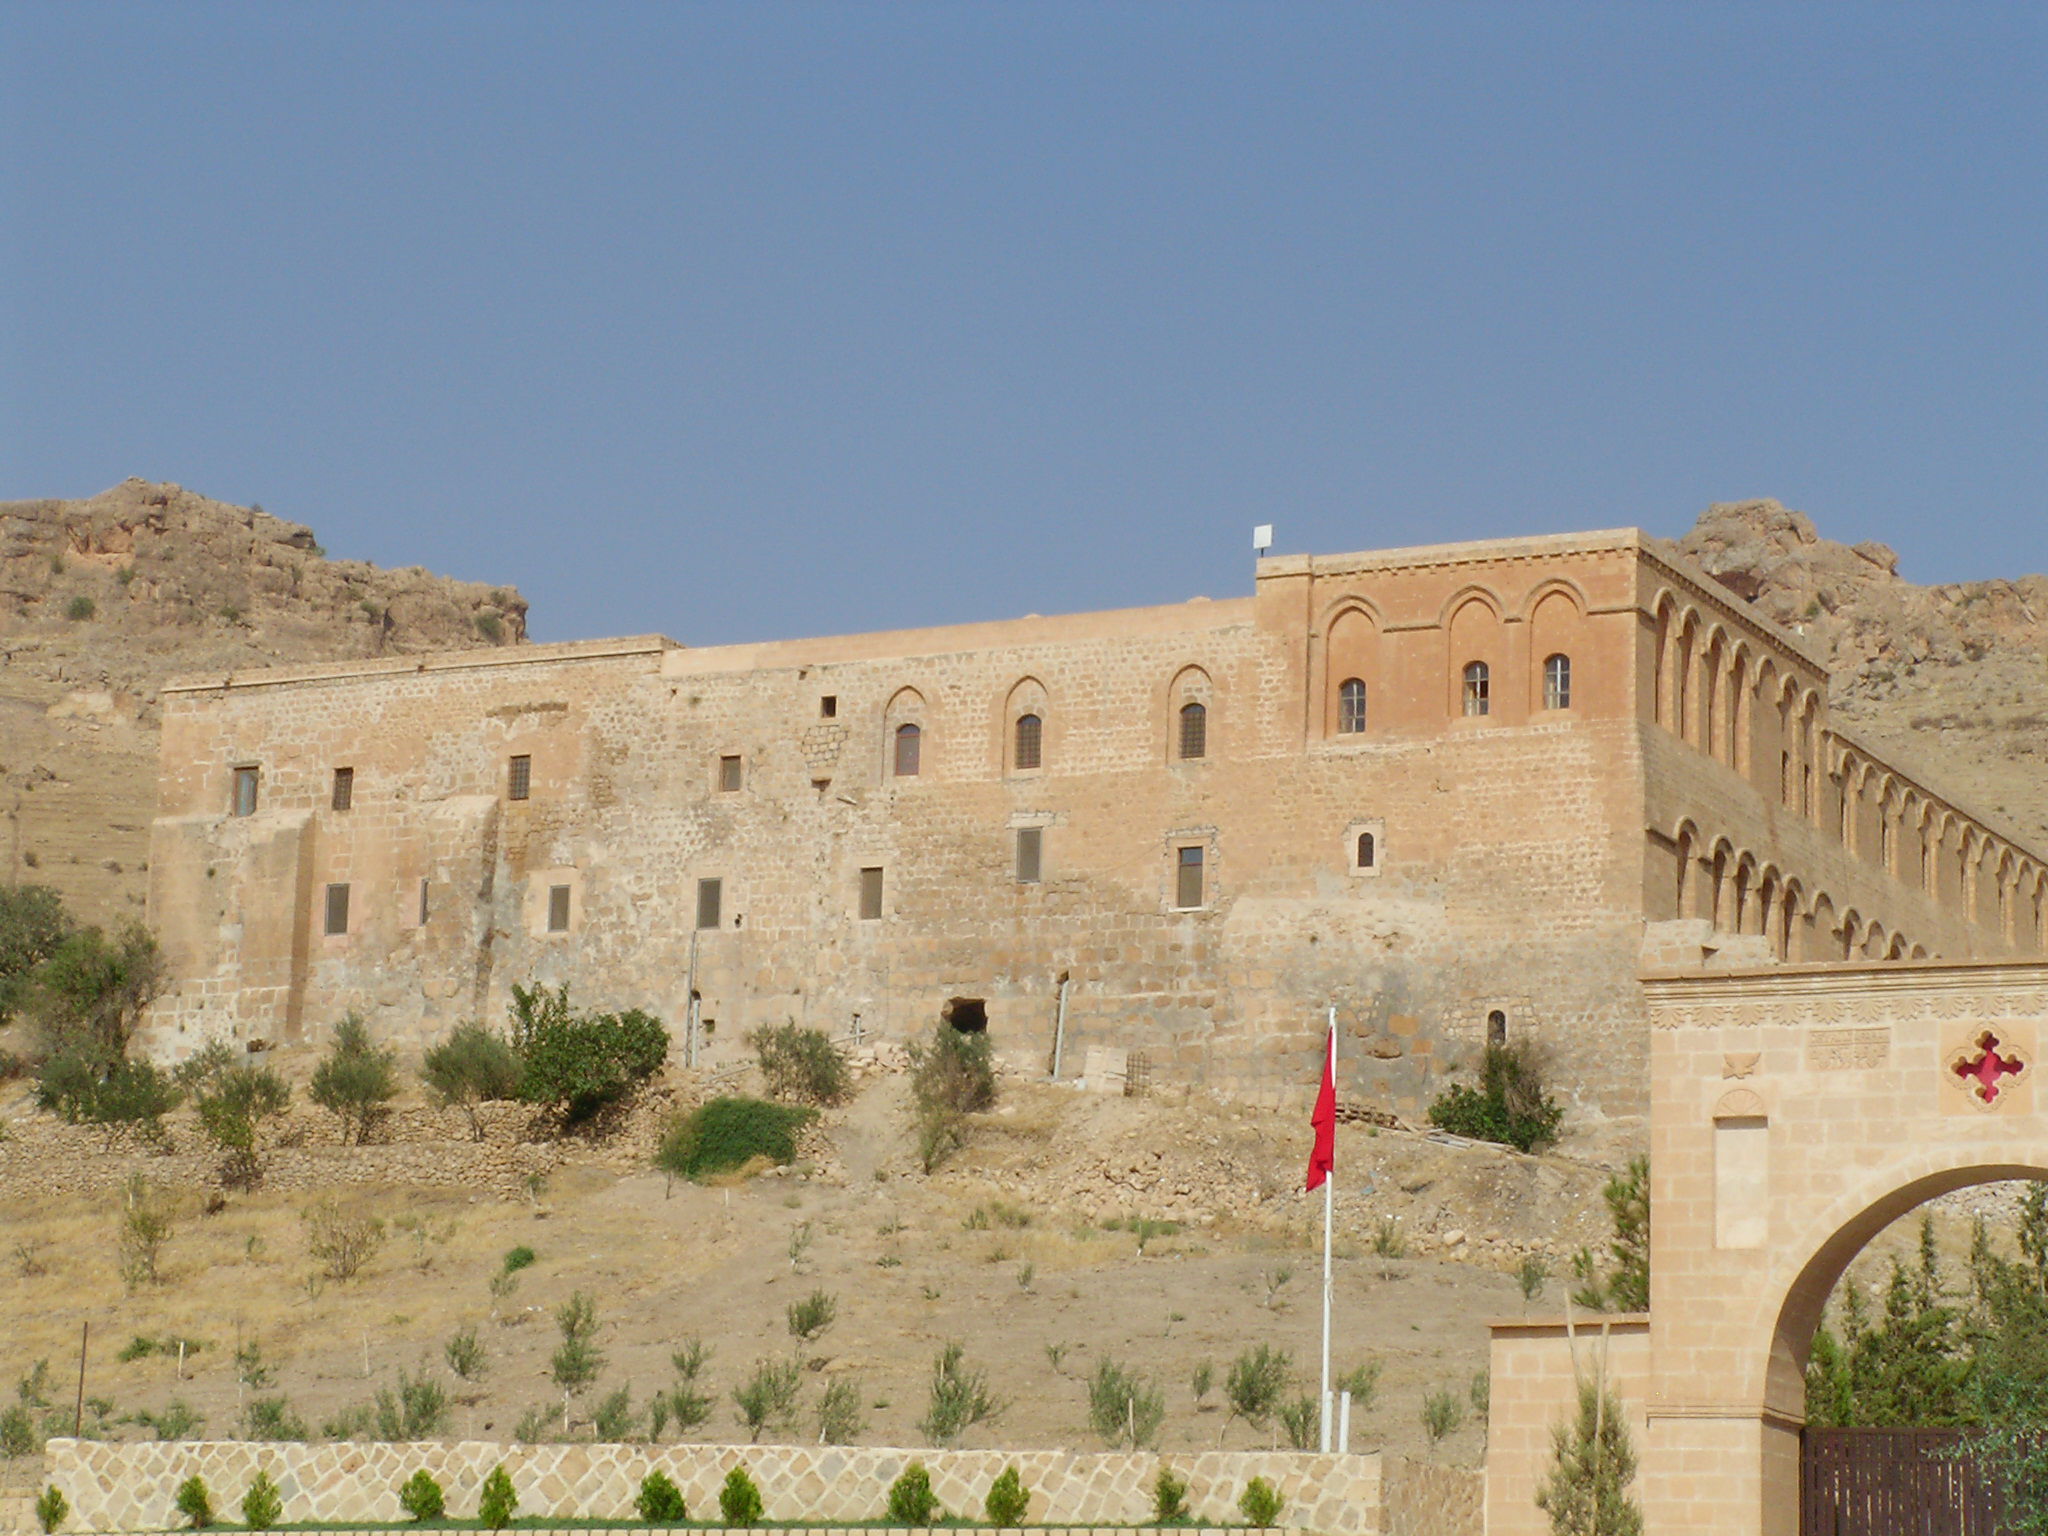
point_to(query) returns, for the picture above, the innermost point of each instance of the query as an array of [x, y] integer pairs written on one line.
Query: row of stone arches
[[1725, 693], [1498, 659], [1926, 843], [1739, 893], [1030, 730]]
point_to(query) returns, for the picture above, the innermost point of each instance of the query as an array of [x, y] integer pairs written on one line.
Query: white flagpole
[[1329, 1197]]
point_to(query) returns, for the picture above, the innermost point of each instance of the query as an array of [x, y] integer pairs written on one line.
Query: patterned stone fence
[[133, 1487]]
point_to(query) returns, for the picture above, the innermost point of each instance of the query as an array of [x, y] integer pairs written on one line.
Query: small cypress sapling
[[497, 1500], [1008, 1499], [1260, 1503], [421, 1496], [52, 1508], [194, 1502], [739, 1501], [911, 1500], [1169, 1498], [262, 1504], [660, 1501]]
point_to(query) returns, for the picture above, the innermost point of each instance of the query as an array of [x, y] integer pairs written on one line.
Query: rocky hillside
[[104, 598], [1960, 670]]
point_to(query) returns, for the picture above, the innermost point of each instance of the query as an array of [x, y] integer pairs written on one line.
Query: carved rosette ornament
[[1988, 1068]]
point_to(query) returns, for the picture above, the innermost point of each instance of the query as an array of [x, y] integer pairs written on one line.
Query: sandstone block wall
[[1535, 1370], [133, 1487], [733, 822]]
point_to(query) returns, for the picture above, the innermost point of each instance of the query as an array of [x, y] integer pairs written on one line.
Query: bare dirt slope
[[1960, 669], [1007, 1252], [102, 599]]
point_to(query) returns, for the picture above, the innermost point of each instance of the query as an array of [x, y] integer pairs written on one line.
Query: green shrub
[[465, 1354], [88, 993], [355, 1081], [342, 1240], [1442, 1413], [1260, 1503], [911, 1500], [839, 1420], [1626, 1288], [1008, 1500], [660, 1501], [471, 1067], [1169, 1498], [418, 1410], [728, 1133], [801, 1065], [266, 1418], [1301, 1421], [613, 1419], [496, 1501], [33, 924], [739, 1501], [576, 1364], [194, 1502], [959, 1398], [1362, 1382], [769, 1395], [80, 608], [20, 1435], [52, 1508], [580, 1064], [422, 1496], [262, 1504], [1124, 1408], [234, 1099], [812, 1316], [1256, 1380], [175, 1421], [1509, 1106], [518, 1258], [952, 1075]]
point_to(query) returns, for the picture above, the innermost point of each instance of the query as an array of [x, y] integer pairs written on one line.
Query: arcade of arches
[[1795, 1113]]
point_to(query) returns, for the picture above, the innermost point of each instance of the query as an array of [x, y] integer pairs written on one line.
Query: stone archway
[[1795, 1112]]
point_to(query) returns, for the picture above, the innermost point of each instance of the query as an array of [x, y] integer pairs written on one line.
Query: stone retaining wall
[[133, 1487]]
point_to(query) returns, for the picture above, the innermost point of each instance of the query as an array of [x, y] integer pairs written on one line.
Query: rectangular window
[[828, 707], [728, 774], [558, 909], [710, 902], [423, 903], [245, 791], [870, 894], [337, 909], [1187, 886], [344, 789], [519, 780], [1030, 850]]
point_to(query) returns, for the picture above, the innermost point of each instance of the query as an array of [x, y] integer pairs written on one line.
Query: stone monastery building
[[1459, 792]]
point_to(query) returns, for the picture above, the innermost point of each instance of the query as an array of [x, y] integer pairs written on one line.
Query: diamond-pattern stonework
[[132, 1487]]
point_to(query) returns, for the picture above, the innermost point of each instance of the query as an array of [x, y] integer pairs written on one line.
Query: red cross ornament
[[1982, 1070]]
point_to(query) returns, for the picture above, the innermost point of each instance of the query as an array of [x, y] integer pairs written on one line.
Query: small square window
[[558, 909], [1187, 887], [344, 789], [245, 791], [337, 909], [729, 772], [828, 706], [710, 902], [870, 894], [519, 780], [1030, 854]]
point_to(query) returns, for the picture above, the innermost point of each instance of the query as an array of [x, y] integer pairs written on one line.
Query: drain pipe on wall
[[1059, 1027]]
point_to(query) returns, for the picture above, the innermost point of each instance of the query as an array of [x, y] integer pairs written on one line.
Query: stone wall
[[133, 1487], [1508, 872]]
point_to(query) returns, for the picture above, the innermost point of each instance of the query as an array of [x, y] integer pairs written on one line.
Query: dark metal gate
[[1894, 1482]]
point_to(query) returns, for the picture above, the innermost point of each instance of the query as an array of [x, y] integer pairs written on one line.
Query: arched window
[[1557, 682], [1365, 850], [1350, 707], [1030, 741], [1497, 1027], [908, 741], [1194, 731], [1478, 686]]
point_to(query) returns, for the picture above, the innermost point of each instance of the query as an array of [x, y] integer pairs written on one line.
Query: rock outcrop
[[104, 598], [1961, 667]]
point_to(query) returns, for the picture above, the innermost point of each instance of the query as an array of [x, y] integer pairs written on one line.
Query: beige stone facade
[[1447, 789], [134, 1487], [1795, 1114]]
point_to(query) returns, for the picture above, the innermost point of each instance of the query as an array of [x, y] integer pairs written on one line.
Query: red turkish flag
[[1323, 1159]]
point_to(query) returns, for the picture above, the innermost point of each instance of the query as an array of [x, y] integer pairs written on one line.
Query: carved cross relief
[[1985, 1068]]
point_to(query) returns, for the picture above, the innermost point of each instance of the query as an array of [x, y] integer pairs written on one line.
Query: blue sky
[[733, 321]]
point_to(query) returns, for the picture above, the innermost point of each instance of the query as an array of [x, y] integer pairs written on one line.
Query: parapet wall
[[133, 1487]]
